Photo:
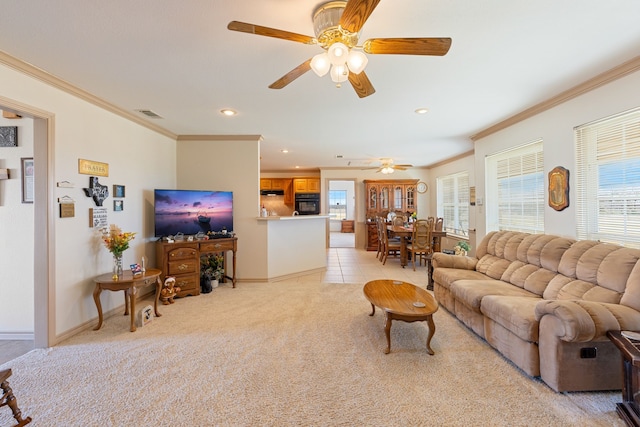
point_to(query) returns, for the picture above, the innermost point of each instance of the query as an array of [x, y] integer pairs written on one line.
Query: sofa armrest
[[443, 260], [583, 321]]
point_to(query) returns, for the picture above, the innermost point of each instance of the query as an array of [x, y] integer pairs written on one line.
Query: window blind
[[453, 203], [515, 189], [608, 179]]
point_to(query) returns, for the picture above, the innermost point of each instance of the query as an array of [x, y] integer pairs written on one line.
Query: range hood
[[272, 192]]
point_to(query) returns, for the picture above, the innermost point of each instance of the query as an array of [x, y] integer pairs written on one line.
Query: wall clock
[[422, 187]]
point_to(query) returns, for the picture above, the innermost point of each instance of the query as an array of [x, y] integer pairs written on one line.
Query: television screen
[[192, 211]]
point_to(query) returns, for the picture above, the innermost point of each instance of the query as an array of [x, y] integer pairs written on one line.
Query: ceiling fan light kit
[[337, 26]]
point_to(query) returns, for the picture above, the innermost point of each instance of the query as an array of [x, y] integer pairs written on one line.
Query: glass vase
[[117, 267]]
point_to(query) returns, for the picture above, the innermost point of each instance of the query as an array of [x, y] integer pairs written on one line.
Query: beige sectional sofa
[[546, 303]]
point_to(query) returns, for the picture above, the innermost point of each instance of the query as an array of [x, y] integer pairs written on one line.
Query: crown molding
[[45, 77], [615, 73], [219, 138]]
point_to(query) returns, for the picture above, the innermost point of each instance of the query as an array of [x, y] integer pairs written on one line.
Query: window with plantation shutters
[[515, 189], [608, 179], [453, 203]]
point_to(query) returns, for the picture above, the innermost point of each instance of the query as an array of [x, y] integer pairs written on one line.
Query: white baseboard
[[16, 336]]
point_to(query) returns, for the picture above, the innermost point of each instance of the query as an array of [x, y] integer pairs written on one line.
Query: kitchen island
[[296, 245]]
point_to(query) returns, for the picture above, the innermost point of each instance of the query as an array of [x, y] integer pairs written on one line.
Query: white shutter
[[608, 179], [453, 203], [515, 189]]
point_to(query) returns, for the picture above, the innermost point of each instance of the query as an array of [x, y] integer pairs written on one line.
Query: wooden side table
[[629, 409], [129, 284]]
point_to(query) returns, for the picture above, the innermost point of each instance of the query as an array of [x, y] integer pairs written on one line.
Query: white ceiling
[[177, 58]]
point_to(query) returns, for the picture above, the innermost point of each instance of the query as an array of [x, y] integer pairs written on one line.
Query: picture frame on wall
[[559, 188], [118, 190], [118, 205], [27, 179]]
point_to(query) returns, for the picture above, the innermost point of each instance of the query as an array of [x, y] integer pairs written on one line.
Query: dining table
[[405, 232]]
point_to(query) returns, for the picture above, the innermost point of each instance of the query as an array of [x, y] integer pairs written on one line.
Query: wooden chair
[[421, 244], [439, 224], [8, 399], [389, 246], [398, 220], [379, 221]]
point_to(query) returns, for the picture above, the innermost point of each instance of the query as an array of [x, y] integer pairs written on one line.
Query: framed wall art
[[8, 136], [27, 179], [118, 190], [118, 205], [559, 188]]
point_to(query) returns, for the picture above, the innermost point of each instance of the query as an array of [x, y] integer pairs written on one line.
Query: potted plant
[[211, 271], [462, 248]]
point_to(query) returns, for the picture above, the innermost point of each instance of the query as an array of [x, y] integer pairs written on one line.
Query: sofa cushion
[[471, 292], [631, 296], [446, 276], [517, 314]]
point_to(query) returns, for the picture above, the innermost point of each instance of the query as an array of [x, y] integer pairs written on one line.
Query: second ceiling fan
[[337, 25]]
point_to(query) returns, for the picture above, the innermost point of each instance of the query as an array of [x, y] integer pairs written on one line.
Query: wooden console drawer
[[183, 266], [183, 252], [189, 285], [213, 246]]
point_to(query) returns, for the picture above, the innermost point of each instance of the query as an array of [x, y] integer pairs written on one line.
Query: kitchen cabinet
[[285, 184], [306, 185], [272, 183]]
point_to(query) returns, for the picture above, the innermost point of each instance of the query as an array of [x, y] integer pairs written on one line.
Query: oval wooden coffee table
[[401, 301]]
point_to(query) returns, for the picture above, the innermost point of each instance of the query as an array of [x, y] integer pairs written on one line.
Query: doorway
[[341, 202]]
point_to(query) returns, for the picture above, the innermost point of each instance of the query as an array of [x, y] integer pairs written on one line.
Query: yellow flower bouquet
[[115, 240]]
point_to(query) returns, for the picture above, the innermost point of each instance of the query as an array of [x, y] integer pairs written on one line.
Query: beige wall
[[555, 127], [16, 241], [138, 158], [230, 165]]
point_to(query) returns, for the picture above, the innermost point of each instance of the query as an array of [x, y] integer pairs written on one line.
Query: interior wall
[[138, 158], [16, 245], [463, 164], [239, 172], [555, 127], [327, 175]]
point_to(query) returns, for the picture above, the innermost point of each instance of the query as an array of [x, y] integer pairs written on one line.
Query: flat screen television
[[192, 211]]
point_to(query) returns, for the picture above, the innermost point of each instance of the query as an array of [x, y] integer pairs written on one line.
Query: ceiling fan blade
[[402, 166], [408, 46], [243, 27], [356, 13], [361, 84], [291, 75]]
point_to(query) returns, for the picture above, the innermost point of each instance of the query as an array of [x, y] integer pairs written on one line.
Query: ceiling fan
[[387, 166], [337, 26]]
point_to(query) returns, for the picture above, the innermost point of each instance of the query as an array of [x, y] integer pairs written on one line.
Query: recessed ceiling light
[[284, 151], [422, 111], [297, 167], [228, 112]]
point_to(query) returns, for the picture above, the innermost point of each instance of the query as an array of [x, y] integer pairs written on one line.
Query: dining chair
[[398, 220], [421, 242], [439, 224], [379, 222], [389, 246]]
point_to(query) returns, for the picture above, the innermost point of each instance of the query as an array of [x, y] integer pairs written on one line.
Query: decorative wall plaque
[[8, 136], [98, 217], [89, 167], [96, 190], [559, 188]]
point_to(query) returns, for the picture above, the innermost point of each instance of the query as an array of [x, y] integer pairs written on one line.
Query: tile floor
[[351, 265]]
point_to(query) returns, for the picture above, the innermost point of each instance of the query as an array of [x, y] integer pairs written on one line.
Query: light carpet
[[293, 353]]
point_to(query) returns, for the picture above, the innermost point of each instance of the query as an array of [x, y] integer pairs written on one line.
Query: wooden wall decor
[[559, 188]]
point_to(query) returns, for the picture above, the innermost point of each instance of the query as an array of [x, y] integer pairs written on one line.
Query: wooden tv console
[[182, 261]]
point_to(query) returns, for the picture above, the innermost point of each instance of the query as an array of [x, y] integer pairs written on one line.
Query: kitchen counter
[[290, 217], [296, 245]]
